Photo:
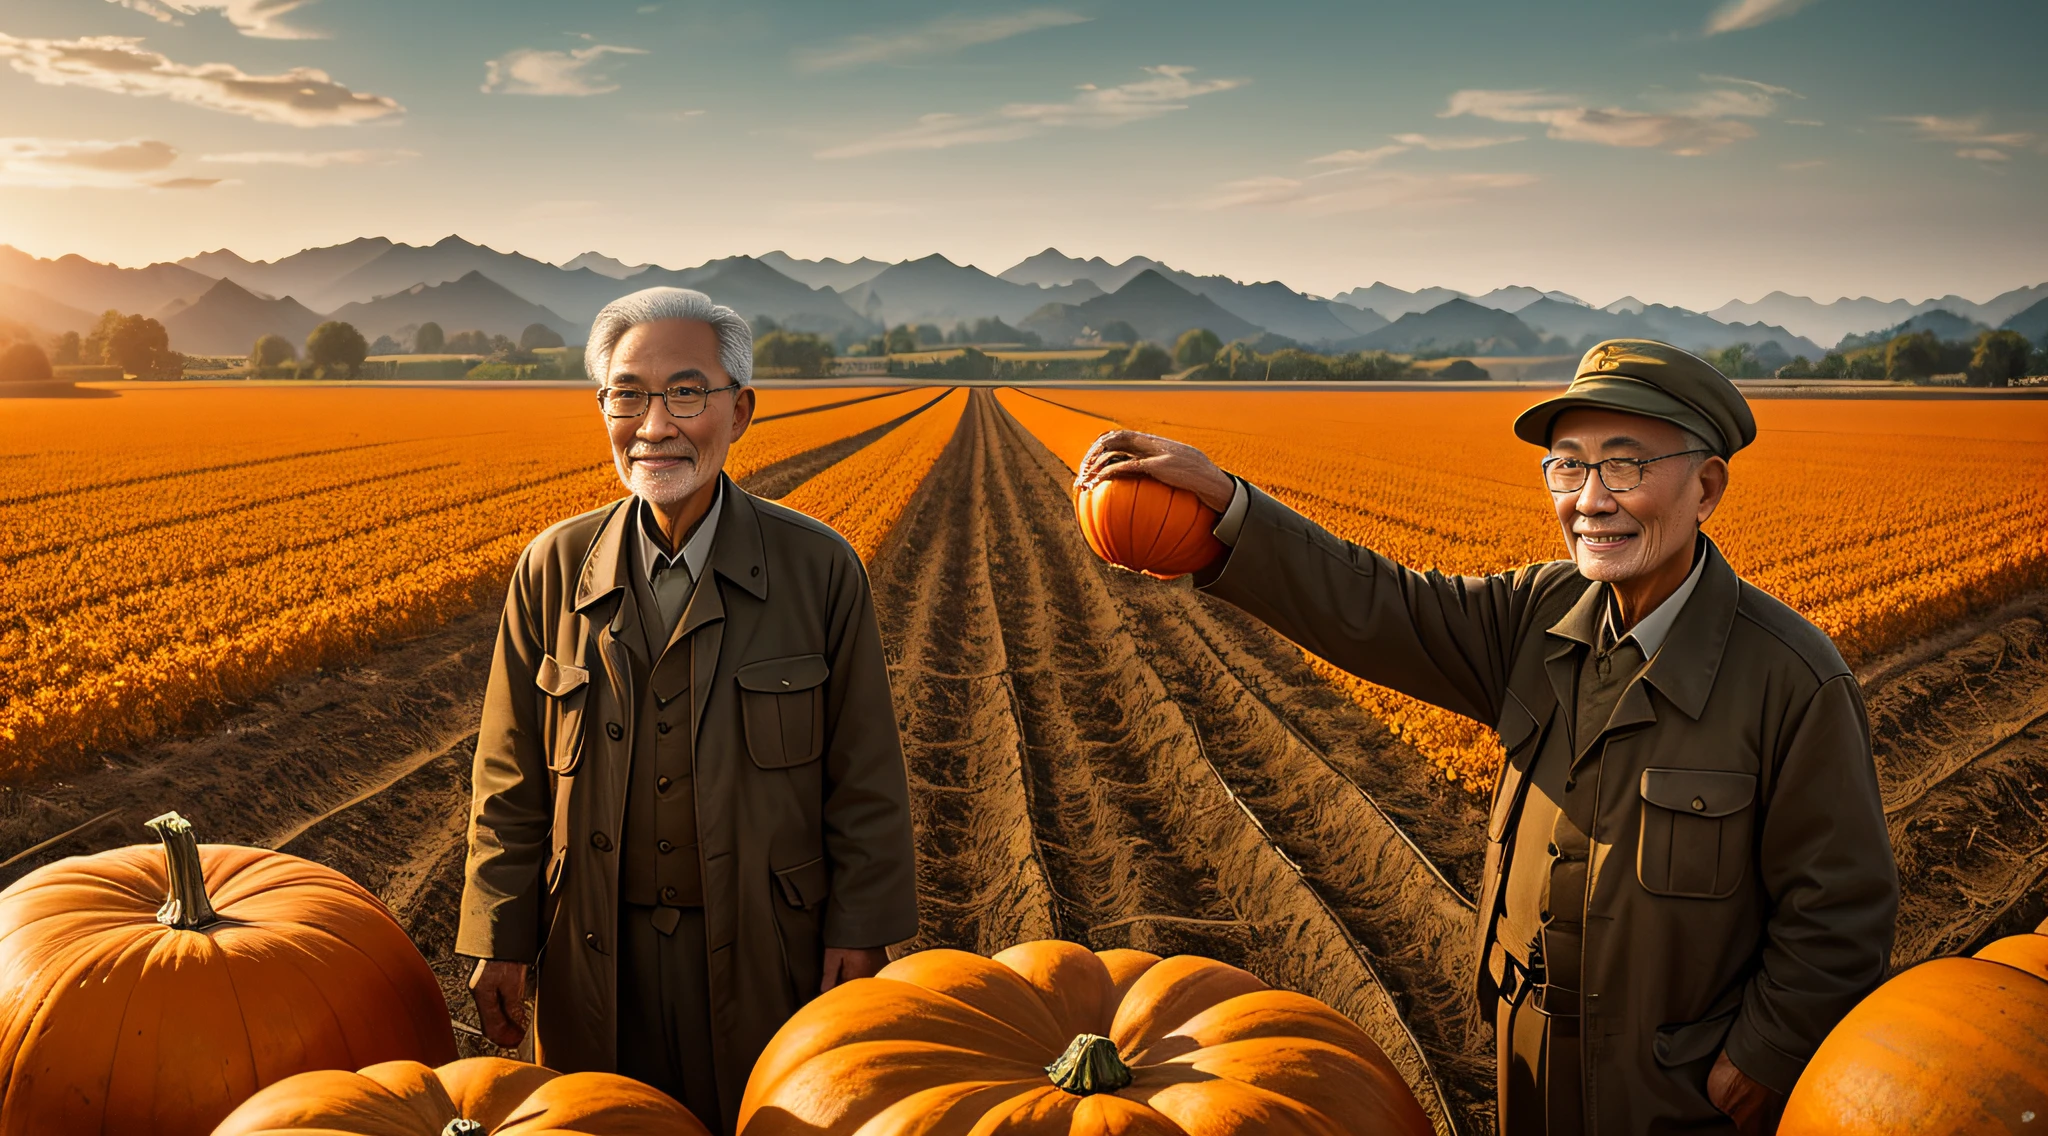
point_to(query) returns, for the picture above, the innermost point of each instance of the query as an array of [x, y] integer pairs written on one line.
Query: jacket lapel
[[604, 577], [1691, 655], [1576, 629], [737, 558]]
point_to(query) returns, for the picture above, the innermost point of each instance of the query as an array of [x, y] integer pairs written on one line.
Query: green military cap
[[1656, 380]]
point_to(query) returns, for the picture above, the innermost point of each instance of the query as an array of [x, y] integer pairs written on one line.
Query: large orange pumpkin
[[1952, 1046], [1148, 526], [1050, 1038], [152, 990], [477, 1096]]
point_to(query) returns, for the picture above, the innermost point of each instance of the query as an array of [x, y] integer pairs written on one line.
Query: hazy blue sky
[[1684, 152]]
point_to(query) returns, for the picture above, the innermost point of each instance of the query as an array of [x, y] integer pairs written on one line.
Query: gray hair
[[735, 338]]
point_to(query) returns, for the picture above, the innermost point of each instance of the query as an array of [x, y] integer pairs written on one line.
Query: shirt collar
[[1651, 630], [696, 550]]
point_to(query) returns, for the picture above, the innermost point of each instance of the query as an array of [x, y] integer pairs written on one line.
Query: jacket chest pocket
[[782, 702], [568, 688], [1697, 826]]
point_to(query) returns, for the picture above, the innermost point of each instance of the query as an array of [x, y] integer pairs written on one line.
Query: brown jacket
[[1742, 757], [802, 806]]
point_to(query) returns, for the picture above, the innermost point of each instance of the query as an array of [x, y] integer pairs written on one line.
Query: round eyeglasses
[[1619, 475], [680, 402]]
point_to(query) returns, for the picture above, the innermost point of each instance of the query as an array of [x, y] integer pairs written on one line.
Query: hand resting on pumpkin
[[1128, 453]]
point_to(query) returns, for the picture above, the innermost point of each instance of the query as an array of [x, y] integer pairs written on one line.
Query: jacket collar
[[1684, 667], [736, 549]]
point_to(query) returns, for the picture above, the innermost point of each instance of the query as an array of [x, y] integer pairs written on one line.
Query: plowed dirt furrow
[[1962, 754], [775, 481], [1146, 844], [982, 882]]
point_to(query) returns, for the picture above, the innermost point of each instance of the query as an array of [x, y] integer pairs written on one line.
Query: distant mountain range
[[219, 302]]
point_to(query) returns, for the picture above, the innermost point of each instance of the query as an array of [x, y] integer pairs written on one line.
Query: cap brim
[[1615, 392]]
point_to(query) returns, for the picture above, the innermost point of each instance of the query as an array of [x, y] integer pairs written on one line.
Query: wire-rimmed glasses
[[1619, 475], [680, 402]]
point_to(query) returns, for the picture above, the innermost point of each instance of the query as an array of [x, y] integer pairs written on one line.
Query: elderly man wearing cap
[[1688, 879], [690, 810]]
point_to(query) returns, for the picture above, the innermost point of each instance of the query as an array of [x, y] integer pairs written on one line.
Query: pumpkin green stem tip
[[1090, 1065], [185, 904], [461, 1127]]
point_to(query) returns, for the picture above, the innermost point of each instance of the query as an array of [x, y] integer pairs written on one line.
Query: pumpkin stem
[[461, 1127], [185, 904], [1090, 1065]]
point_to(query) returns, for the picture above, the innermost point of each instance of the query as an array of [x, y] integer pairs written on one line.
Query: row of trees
[[1994, 359]]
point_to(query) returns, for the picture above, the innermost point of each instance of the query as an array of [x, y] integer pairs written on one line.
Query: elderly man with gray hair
[[690, 813]]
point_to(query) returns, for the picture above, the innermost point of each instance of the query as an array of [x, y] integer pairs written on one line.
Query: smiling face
[[1618, 537], [658, 456]]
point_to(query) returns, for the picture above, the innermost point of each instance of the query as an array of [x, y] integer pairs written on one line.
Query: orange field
[[863, 495], [175, 548], [1879, 520]]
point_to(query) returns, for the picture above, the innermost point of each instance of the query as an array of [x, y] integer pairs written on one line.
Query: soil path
[[1138, 793], [1962, 755], [1094, 756]]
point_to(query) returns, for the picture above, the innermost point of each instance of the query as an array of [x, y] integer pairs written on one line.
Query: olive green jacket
[[802, 806], [1741, 889]]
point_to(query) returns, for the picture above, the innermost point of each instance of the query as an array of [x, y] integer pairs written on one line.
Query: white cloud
[[1357, 158], [1695, 124], [1168, 90], [1378, 190], [312, 159], [69, 163], [262, 19], [119, 65], [945, 34], [1738, 15], [1440, 142], [530, 71], [1971, 134]]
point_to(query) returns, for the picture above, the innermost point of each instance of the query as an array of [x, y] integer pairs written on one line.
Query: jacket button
[[661, 784], [668, 893], [592, 941], [1698, 805], [665, 846], [601, 842], [614, 731], [663, 727]]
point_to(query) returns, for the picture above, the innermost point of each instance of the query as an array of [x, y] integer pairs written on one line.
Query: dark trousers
[[1537, 1082], [665, 1006]]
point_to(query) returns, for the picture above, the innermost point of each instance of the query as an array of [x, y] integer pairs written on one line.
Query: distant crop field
[[201, 541], [1832, 510]]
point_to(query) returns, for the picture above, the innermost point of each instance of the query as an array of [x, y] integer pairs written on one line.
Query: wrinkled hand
[[1752, 1105], [499, 989], [844, 963], [1127, 453]]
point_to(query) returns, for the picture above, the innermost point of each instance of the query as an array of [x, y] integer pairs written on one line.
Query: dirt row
[[1068, 780], [1094, 756], [1962, 759]]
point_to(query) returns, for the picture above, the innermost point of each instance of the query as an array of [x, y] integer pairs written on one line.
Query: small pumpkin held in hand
[[1148, 526], [152, 989], [1951, 1046], [477, 1096], [1050, 1038]]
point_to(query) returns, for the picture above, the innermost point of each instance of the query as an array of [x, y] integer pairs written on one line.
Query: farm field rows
[[1093, 755], [172, 549], [1457, 492]]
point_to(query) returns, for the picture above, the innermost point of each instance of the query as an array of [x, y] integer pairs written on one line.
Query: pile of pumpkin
[[199, 989]]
